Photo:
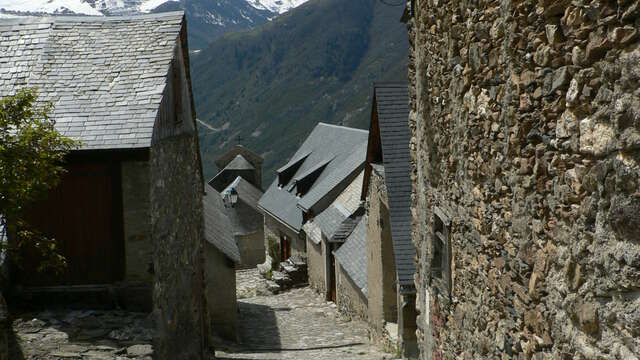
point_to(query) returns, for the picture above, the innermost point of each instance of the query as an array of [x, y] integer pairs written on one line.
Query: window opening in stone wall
[[441, 253]]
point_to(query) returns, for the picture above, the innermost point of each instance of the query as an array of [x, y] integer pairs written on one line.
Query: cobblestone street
[[86, 334], [296, 324]]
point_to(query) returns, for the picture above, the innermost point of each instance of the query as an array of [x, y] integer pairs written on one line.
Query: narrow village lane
[[296, 324]]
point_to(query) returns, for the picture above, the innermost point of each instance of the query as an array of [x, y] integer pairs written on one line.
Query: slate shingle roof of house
[[104, 75], [246, 191], [239, 163], [346, 149], [345, 229], [352, 255], [392, 101], [217, 226]]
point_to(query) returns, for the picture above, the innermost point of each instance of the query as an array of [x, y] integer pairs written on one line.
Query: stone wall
[[350, 300], [177, 222], [137, 221], [251, 248], [316, 266], [381, 274], [526, 128], [220, 292]]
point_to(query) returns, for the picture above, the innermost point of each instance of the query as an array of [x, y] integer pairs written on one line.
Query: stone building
[[238, 162], [221, 257], [525, 122], [120, 85], [241, 175], [387, 190], [323, 166], [321, 231]]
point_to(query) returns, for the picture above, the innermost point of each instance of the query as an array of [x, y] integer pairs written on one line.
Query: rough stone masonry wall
[[381, 271], [350, 300], [526, 130], [177, 224]]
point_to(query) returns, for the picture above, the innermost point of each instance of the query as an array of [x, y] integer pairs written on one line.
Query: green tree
[[32, 153]]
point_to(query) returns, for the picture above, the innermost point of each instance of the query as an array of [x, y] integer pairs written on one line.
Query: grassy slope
[[268, 88]]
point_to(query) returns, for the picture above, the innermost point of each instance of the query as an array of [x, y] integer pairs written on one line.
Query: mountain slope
[[269, 87]]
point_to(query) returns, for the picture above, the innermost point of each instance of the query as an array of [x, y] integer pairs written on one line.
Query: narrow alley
[[296, 324]]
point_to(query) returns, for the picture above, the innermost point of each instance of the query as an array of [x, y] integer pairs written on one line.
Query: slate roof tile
[[110, 70], [392, 101], [352, 255], [346, 147]]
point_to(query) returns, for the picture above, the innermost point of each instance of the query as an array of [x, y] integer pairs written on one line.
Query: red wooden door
[[285, 248], [84, 215]]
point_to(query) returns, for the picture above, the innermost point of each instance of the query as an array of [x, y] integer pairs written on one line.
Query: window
[[440, 275]]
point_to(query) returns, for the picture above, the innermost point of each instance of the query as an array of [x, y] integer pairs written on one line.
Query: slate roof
[[352, 255], [239, 163], [217, 225], [345, 229], [104, 75], [330, 219], [392, 100], [246, 191], [346, 149]]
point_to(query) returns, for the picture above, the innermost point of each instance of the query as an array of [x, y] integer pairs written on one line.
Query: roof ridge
[[52, 18]]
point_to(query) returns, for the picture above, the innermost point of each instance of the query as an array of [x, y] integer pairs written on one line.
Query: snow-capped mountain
[[276, 6], [206, 19], [107, 7]]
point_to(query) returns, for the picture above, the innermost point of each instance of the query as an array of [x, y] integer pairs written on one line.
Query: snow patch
[[49, 6], [148, 5], [276, 6]]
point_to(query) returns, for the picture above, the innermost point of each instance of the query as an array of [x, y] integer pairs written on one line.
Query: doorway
[[285, 247]]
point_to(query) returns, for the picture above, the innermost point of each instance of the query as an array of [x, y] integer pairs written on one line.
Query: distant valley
[[267, 88]]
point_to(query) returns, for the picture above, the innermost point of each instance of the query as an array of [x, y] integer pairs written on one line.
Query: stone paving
[[83, 335], [296, 324]]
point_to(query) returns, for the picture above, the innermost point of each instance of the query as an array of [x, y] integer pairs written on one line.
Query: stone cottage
[[321, 230], [525, 124], [387, 191], [241, 175], [120, 85], [221, 257], [323, 166]]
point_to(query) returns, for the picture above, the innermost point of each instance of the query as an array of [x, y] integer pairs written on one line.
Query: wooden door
[[285, 248], [84, 214]]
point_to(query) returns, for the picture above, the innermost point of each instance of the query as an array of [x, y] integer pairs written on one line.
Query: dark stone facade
[[177, 223], [525, 161]]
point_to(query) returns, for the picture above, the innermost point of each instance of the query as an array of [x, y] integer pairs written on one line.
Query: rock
[[140, 350], [573, 92], [587, 314], [623, 35], [553, 34], [560, 78], [577, 56], [624, 216], [596, 48], [566, 125], [542, 55], [596, 138], [264, 268]]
